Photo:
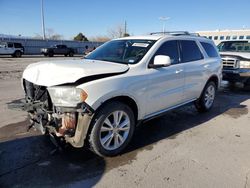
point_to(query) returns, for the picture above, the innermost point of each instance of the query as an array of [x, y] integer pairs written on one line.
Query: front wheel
[[71, 54], [206, 101], [112, 129]]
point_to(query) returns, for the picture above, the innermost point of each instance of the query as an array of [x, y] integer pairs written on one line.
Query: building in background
[[221, 35]]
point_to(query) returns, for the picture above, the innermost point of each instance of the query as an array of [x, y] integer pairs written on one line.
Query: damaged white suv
[[98, 101]]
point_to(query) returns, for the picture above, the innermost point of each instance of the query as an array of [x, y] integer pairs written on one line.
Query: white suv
[[98, 101], [11, 48]]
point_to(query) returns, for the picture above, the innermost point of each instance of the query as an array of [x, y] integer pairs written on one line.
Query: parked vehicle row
[[99, 100], [17, 50]]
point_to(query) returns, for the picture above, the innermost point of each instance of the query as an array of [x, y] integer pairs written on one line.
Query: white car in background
[[98, 101], [11, 48]]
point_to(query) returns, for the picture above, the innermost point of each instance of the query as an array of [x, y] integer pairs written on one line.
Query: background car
[[11, 48]]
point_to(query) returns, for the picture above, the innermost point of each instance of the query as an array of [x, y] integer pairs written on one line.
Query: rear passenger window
[[190, 51], [210, 50], [10, 45], [169, 48]]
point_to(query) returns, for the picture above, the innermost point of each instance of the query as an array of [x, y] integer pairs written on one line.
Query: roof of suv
[[159, 35]]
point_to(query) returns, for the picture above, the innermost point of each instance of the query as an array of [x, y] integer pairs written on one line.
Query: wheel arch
[[214, 78], [123, 99]]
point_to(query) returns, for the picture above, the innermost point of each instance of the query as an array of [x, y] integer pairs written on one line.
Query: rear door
[[64, 49], [194, 68], [165, 88], [57, 49]]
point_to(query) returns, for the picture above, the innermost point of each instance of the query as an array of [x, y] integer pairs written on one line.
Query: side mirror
[[161, 61]]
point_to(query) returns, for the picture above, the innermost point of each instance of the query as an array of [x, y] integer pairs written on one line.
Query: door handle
[[178, 71]]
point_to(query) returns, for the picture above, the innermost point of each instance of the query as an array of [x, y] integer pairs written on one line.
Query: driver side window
[[169, 48]]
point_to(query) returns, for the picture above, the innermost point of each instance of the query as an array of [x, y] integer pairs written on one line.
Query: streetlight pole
[[163, 19], [42, 18]]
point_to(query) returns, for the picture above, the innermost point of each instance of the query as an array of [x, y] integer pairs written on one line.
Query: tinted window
[[221, 37], [241, 37], [190, 51], [234, 37], [248, 37], [216, 38], [228, 38], [210, 37], [170, 49], [10, 45], [18, 45], [210, 50]]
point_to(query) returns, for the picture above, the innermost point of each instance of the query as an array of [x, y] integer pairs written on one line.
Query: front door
[[166, 84]]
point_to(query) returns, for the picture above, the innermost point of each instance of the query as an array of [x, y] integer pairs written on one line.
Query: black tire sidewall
[[50, 54], [97, 122]]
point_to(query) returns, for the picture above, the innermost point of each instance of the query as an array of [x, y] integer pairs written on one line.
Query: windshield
[[234, 46], [122, 51]]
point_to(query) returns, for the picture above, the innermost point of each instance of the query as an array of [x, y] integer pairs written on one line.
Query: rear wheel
[[206, 101], [17, 54], [247, 84], [51, 54], [71, 54], [112, 129]]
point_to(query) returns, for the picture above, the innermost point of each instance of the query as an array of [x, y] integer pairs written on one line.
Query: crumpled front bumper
[[83, 120]]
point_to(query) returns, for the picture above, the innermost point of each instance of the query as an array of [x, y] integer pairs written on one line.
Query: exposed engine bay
[[44, 116]]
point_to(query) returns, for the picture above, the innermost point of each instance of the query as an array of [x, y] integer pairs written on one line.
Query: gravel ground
[[180, 149]]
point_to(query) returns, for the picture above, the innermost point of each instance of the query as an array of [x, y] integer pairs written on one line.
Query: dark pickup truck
[[58, 50]]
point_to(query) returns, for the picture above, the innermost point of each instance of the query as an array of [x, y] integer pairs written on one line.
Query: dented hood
[[51, 73]]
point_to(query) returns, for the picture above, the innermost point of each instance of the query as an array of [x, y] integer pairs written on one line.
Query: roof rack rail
[[174, 33]]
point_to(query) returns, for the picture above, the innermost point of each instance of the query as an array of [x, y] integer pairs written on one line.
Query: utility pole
[[42, 18], [125, 28], [164, 19]]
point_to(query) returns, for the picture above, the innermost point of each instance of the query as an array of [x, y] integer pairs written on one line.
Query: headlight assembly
[[245, 64], [67, 96]]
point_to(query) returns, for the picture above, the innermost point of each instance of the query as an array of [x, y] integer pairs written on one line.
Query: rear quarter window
[[210, 50], [190, 51]]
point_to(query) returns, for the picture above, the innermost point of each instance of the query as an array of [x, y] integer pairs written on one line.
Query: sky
[[95, 18]]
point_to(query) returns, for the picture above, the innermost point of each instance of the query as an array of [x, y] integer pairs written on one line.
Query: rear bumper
[[236, 75]]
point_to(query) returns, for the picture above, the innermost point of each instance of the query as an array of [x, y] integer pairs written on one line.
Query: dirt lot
[[181, 149]]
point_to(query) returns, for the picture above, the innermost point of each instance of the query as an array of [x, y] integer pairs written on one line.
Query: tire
[[50, 54], [45, 55], [17, 54], [71, 54], [103, 142], [247, 84], [206, 101], [65, 55]]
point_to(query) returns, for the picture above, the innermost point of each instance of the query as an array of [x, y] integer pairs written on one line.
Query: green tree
[[80, 37], [126, 35]]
